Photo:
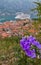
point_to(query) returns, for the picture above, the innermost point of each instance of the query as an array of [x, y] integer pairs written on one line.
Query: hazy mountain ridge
[[20, 5], [11, 7]]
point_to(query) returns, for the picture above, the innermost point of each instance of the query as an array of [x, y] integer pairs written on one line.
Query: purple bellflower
[[26, 43]]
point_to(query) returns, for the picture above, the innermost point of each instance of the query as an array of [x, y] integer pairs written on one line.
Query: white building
[[22, 16]]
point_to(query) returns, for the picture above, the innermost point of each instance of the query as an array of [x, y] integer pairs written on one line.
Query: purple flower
[[31, 39], [37, 44], [24, 44], [27, 42], [30, 53]]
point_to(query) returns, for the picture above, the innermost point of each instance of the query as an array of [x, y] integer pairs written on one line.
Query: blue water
[[9, 8]]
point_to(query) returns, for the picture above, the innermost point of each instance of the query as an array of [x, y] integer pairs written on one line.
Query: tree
[[38, 10]]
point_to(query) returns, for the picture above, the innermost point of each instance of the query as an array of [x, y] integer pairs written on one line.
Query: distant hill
[[11, 7], [17, 5]]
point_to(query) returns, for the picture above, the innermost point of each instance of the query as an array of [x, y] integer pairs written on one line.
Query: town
[[16, 28]]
